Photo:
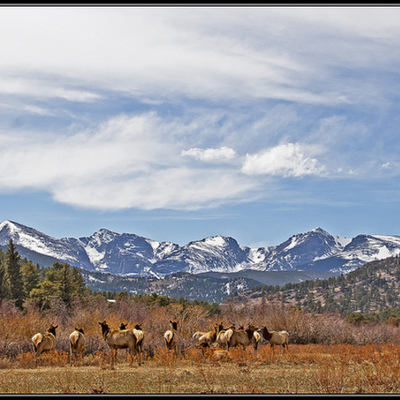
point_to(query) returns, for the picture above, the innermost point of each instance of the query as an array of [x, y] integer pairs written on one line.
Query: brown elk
[[243, 337], [45, 342], [77, 344], [123, 326], [206, 339], [280, 338], [224, 335], [139, 334], [220, 355], [171, 337], [119, 339]]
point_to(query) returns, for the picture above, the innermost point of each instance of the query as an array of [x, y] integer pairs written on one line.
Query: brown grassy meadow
[[326, 354]]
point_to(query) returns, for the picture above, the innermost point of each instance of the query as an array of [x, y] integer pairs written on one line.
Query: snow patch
[[94, 256], [292, 244], [217, 241]]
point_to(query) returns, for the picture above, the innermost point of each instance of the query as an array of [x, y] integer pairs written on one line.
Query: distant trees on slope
[[371, 288], [22, 280]]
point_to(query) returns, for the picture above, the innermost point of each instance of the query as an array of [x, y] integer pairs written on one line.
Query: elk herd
[[220, 340]]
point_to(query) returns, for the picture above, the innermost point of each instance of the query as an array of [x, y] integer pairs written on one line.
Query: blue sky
[[179, 123]]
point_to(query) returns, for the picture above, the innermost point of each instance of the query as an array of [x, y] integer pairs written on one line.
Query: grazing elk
[[45, 342], [117, 339], [243, 337], [220, 355], [171, 337], [280, 338], [77, 344]]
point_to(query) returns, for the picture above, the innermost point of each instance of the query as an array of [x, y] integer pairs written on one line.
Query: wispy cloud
[[192, 107], [210, 155], [209, 53], [127, 161]]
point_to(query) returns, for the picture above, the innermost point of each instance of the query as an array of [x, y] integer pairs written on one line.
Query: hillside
[[372, 288], [181, 284], [208, 286]]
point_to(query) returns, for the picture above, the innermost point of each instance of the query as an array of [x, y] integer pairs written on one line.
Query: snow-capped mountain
[[40, 247], [122, 254], [299, 251], [217, 253], [129, 254]]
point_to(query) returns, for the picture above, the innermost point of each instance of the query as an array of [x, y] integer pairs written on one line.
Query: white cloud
[[30, 86], [167, 59], [169, 188], [213, 155], [211, 52], [285, 160], [126, 162], [391, 165]]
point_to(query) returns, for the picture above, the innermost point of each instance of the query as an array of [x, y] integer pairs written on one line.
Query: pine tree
[[62, 282], [30, 277], [13, 274], [4, 293], [77, 282]]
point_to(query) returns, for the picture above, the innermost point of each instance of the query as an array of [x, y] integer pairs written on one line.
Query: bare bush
[[303, 328]]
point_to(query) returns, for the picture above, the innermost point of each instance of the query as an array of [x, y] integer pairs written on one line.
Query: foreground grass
[[304, 369]]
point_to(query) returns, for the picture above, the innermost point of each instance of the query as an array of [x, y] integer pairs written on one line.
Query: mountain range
[[131, 255]]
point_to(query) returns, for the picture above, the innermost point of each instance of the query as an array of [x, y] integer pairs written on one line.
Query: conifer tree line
[[21, 280]]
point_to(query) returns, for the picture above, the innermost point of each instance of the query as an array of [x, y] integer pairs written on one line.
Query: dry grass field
[[326, 353], [304, 369]]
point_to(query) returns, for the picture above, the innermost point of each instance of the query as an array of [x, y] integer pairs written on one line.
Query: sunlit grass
[[304, 369]]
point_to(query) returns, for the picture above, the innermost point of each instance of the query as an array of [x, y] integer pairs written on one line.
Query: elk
[[45, 342], [280, 338], [220, 355], [122, 326], [224, 335], [139, 334], [118, 339], [206, 339], [243, 337], [256, 335], [171, 337], [77, 344]]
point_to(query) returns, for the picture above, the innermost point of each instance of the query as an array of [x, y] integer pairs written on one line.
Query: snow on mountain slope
[[366, 248], [124, 254], [37, 242], [298, 251], [129, 254], [217, 253]]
